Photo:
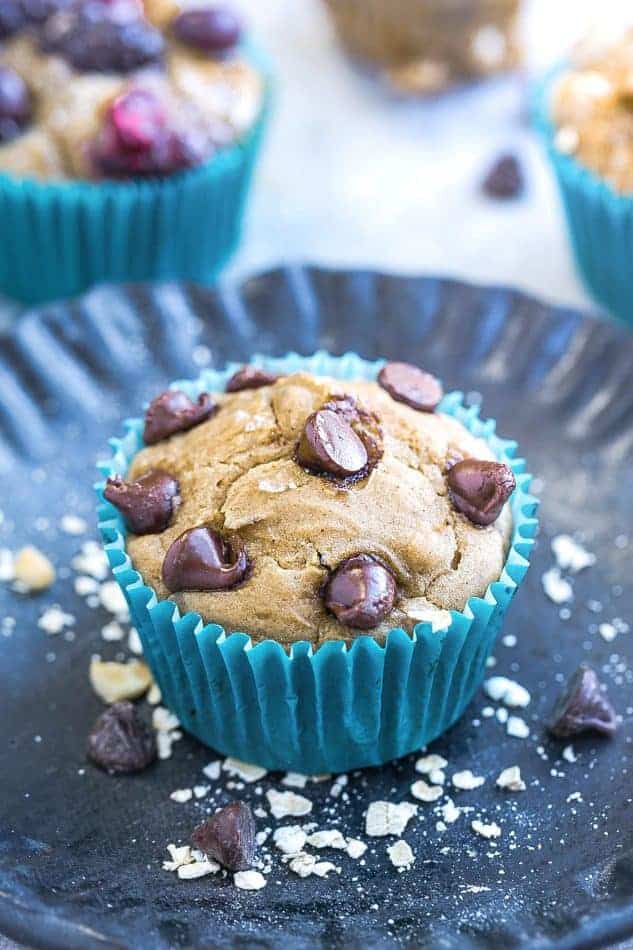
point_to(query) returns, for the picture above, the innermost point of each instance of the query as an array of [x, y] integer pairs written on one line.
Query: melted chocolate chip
[[250, 377], [361, 592], [228, 837], [365, 424], [120, 741], [479, 489], [210, 29], [329, 445], [201, 559], [146, 504], [172, 412], [411, 385], [505, 179], [583, 707]]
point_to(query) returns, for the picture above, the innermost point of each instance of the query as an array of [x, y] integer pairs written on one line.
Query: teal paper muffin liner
[[59, 238], [599, 220], [334, 708]]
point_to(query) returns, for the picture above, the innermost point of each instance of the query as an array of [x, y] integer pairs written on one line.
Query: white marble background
[[351, 176]]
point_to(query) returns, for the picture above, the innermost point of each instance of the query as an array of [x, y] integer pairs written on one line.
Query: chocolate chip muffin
[[307, 508], [592, 109], [94, 89], [425, 46]]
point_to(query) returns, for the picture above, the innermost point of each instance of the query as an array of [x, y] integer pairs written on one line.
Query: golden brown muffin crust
[[238, 475]]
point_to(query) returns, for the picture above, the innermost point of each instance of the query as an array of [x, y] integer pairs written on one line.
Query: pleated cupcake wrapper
[[334, 708], [58, 238], [600, 221]]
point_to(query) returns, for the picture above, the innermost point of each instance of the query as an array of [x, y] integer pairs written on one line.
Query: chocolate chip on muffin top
[[314, 509]]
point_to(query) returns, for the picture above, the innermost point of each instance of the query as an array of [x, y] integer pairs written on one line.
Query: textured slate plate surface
[[80, 853]]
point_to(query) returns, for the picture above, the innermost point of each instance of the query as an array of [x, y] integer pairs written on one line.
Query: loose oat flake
[[327, 839], [387, 818], [283, 804], [290, 839], [400, 854], [33, 570], [430, 763], [486, 831], [506, 691], [249, 880], [465, 781], [510, 779], [426, 793], [244, 770]]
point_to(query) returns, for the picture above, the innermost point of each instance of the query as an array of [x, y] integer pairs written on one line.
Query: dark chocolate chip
[[201, 559], [172, 412], [361, 592], [250, 377], [146, 504], [479, 489], [411, 385], [213, 29], [228, 837], [504, 180], [329, 444], [120, 741], [583, 707], [365, 424]]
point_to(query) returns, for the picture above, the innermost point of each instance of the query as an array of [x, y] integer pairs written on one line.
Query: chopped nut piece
[[115, 681]]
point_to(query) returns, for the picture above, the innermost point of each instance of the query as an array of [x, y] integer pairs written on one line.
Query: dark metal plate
[[80, 853]]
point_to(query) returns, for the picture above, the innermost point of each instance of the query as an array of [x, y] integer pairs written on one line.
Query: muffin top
[[592, 108], [306, 508], [108, 89]]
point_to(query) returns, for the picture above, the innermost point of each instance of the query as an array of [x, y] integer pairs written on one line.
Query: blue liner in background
[[600, 221], [338, 708], [59, 238]]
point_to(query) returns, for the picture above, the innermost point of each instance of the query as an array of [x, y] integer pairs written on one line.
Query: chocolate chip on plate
[[504, 179], [228, 837], [583, 707], [120, 740], [328, 444], [172, 412], [250, 377], [212, 29], [201, 559], [361, 592], [479, 489], [411, 385], [146, 504]]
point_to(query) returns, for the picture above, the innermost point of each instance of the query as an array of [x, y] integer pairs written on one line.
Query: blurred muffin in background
[[584, 110], [426, 46], [592, 110]]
